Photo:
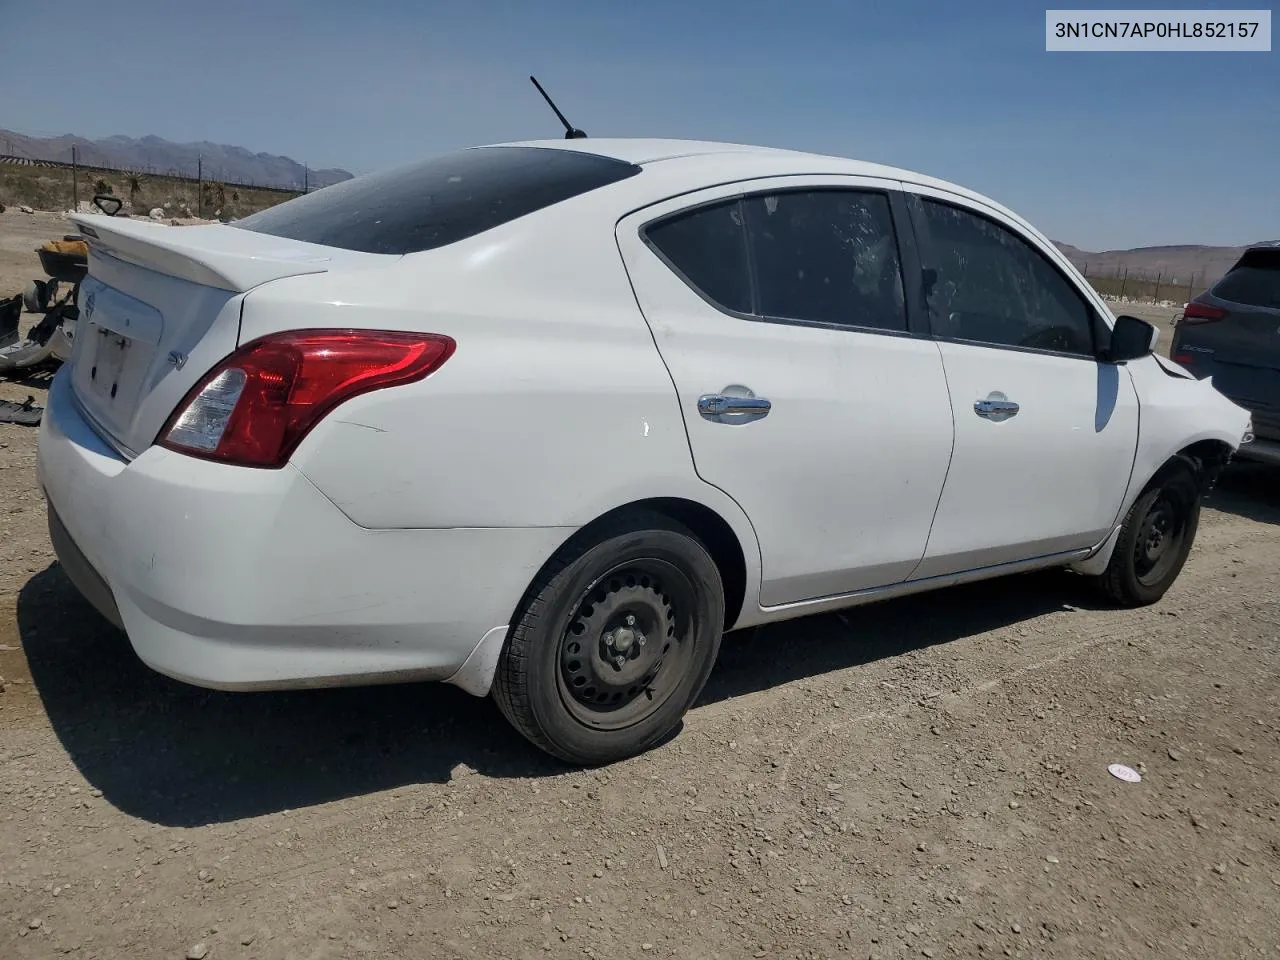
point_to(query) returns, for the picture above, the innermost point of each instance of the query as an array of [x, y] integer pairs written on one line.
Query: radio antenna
[[570, 131]]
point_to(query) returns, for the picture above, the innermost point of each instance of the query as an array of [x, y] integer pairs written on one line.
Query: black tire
[[1155, 539], [613, 641]]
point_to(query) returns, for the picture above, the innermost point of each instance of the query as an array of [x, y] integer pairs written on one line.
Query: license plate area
[[111, 352]]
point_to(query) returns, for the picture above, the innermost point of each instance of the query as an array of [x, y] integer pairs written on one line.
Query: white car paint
[[399, 539], [1074, 435], [795, 484], [241, 579]]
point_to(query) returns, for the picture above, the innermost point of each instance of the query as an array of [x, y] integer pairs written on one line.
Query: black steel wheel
[[1155, 538], [628, 644], [1158, 545], [613, 642]]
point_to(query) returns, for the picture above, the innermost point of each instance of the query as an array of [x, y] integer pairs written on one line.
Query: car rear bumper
[[1265, 426], [1261, 450], [80, 571], [237, 578]]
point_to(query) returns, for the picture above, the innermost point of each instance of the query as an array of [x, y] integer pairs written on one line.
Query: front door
[[779, 311], [1045, 432]]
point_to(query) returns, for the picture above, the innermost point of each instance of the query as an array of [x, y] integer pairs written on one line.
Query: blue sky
[[1098, 150]]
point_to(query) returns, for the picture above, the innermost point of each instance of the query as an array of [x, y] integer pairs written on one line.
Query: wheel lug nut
[[618, 661], [631, 620]]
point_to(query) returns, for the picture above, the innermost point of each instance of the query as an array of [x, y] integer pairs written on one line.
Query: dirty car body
[[445, 422]]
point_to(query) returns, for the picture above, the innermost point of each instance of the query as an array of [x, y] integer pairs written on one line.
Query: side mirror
[[1131, 339]]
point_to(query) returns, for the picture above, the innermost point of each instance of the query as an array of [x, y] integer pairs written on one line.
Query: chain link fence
[[1143, 285]]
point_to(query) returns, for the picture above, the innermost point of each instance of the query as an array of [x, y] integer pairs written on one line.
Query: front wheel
[[613, 642], [1155, 539]]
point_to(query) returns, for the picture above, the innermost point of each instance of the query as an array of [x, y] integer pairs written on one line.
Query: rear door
[[1232, 334], [1045, 432], [780, 310]]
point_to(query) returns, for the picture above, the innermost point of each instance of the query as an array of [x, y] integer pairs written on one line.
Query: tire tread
[[1116, 583], [511, 687]]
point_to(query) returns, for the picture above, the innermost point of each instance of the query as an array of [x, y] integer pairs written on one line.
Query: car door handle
[[996, 407], [714, 406]]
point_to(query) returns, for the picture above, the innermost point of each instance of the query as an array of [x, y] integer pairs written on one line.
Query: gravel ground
[[923, 778]]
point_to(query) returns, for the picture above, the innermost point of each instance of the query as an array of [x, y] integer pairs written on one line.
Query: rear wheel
[[613, 642], [1155, 539]]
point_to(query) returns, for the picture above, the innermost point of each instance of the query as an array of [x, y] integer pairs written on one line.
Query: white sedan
[[543, 420]]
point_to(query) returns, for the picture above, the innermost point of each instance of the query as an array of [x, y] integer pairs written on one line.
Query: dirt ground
[[924, 778]]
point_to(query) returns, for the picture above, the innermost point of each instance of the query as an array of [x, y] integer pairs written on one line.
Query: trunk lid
[[161, 305]]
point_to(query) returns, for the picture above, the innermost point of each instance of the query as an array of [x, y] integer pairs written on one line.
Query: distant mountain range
[[157, 155], [1183, 263]]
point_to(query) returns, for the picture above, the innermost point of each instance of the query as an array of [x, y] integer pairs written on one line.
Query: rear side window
[[1254, 281], [438, 201], [827, 256], [708, 248]]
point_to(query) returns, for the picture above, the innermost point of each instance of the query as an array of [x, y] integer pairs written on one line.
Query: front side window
[[986, 284], [827, 256]]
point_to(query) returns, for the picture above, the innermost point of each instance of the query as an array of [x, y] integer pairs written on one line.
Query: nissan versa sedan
[[1231, 333], [543, 420]]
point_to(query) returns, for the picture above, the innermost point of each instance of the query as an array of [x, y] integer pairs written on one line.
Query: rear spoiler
[[214, 255]]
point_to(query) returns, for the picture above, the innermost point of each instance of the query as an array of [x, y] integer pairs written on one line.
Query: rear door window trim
[[914, 320]]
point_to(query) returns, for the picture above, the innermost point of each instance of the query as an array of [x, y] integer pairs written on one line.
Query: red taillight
[[1201, 313], [254, 408], [1185, 359]]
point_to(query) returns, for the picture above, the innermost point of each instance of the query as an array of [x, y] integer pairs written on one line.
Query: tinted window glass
[[827, 256], [1255, 281], [993, 287], [708, 246], [438, 201]]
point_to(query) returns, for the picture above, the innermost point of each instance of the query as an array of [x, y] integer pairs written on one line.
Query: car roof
[[754, 160]]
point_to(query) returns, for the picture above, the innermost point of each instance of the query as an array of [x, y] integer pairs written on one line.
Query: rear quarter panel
[[555, 408]]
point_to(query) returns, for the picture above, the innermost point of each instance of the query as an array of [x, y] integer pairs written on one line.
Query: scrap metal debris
[[27, 413], [10, 314]]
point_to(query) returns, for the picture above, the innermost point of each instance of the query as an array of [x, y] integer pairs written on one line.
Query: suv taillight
[[1201, 313], [254, 408]]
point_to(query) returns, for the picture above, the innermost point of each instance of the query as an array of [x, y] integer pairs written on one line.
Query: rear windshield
[[438, 201], [1254, 281]]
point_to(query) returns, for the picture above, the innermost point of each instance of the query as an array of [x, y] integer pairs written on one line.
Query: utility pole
[[1123, 281], [1159, 276], [306, 177], [75, 182], [200, 186]]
